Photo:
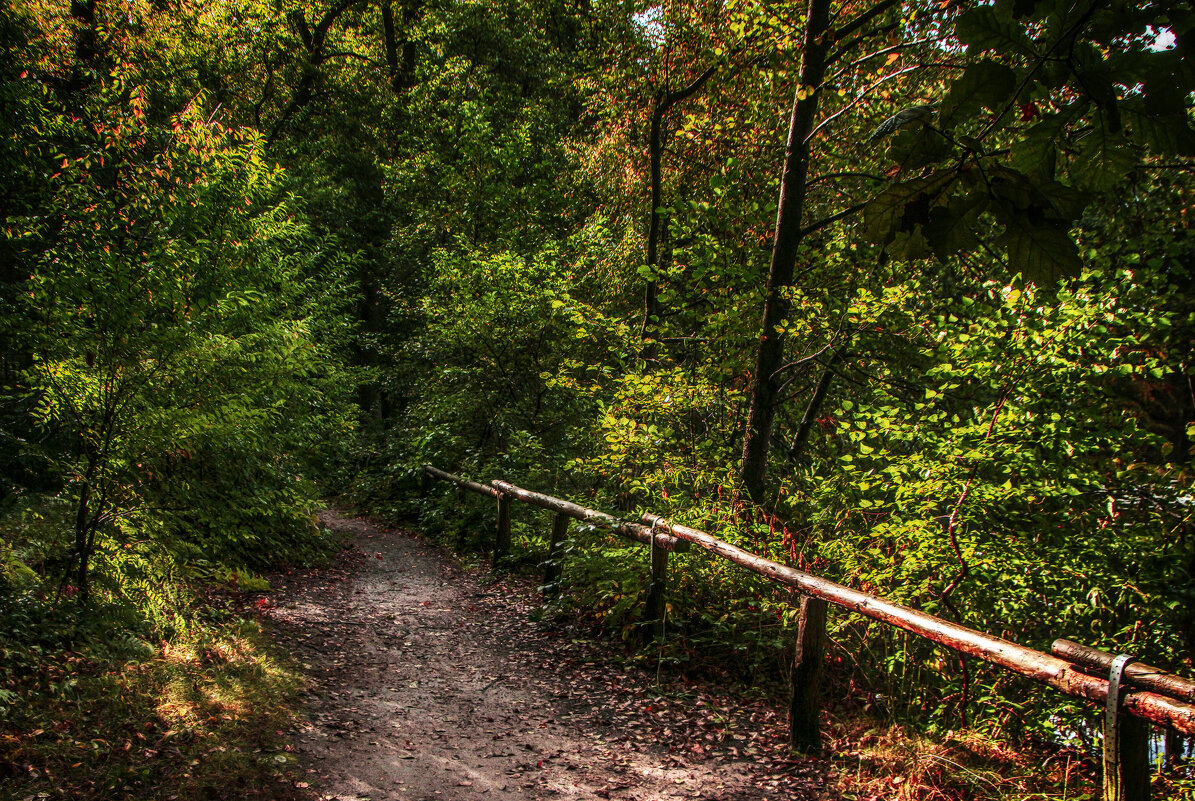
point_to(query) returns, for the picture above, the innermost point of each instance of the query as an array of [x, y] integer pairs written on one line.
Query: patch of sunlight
[[180, 653]]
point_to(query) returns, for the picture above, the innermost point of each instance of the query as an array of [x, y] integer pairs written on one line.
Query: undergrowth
[[155, 688], [202, 715], [877, 760], [741, 636]]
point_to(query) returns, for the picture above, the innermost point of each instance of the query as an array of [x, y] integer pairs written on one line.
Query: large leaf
[[901, 206], [1036, 153], [1042, 253], [983, 29], [1060, 202], [951, 227], [1103, 162], [910, 245], [918, 146], [1168, 135], [984, 84]]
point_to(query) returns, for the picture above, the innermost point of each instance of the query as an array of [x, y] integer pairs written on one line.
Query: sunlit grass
[[202, 716], [892, 762]]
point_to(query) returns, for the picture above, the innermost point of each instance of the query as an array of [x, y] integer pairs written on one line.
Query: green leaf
[[1165, 133], [1042, 253], [982, 29], [918, 146], [1036, 153], [1061, 202], [901, 206], [910, 245], [1103, 163], [950, 230], [984, 84]]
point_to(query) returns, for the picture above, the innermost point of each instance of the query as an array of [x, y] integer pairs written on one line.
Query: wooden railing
[[1146, 694]]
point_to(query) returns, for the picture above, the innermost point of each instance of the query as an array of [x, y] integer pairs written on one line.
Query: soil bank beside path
[[429, 685]]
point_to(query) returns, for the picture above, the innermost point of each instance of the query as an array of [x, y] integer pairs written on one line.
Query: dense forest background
[[900, 293]]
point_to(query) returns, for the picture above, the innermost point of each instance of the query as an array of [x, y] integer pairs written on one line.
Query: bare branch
[[861, 20], [846, 174], [859, 98], [881, 52], [833, 218]]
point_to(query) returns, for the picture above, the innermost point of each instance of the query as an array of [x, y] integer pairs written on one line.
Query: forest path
[[430, 685]]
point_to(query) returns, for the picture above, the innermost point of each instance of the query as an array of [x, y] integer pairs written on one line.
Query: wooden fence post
[[502, 540], [1126, 743], [554, 565], [653, 615], [1175, 749], [1134, 759], [804, 732]]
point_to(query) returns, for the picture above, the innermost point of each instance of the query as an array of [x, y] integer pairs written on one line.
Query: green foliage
[[1008, 464], [175, 323], [171, 330], [200, 716], [505, 359], [1022, 130], [983, 404]]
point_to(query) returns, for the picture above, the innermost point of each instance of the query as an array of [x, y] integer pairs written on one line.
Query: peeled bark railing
[[1141, 675], [1143, 692]]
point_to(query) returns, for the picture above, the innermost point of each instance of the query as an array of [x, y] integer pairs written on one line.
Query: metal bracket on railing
[[1112, 757], [655, 523]]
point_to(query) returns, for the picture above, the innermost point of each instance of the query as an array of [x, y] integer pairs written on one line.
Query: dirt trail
[[428, 685]]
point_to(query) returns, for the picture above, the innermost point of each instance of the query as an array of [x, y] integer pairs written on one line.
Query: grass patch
[[203, 716], [893, 762]]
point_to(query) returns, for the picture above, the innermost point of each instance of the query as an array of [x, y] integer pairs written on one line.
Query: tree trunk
[[83, 541], [389, 39], [656, 224], [815, 404], [786, 241], [804, 717], [651, 302], [400, 54], [87, 53]]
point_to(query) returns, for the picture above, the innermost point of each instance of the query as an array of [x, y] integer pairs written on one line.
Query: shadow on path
[[427, 685]]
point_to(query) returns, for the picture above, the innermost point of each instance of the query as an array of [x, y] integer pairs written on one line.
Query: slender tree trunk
[[87, 54], [656, 224], [389, 38], [83, 540], [787, 240], [651, 299], [370, 395], [815, 405], [400, 54], [405, 77]]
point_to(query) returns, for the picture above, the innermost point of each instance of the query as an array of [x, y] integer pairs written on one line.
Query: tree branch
[[833, 218], [862, 94], [815, 405], [858, 22], [847, 174]]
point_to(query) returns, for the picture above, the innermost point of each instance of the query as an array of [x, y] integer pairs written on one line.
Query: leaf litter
[[430, 683]]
